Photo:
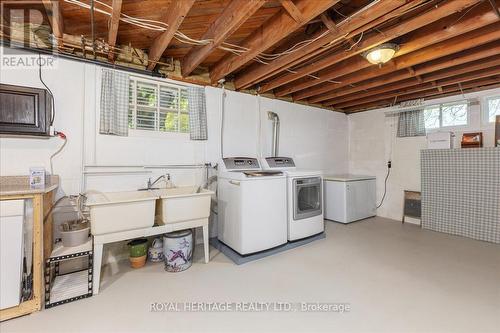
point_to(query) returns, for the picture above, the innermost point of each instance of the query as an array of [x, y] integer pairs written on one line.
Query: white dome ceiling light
[[381, 54]]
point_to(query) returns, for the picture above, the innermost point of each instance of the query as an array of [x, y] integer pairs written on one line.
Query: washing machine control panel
[[280, 162], [241, 163]]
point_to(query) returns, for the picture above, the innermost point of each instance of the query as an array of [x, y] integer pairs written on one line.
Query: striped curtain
[[411, 123], [114, 103], [197, 113]]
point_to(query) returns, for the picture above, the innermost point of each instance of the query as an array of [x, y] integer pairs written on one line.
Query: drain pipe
[[276, 132]]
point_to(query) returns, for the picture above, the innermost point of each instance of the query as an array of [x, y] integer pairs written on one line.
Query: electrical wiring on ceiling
[[263, 58]]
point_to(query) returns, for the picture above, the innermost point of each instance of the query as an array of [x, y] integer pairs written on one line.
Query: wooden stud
[[233, 16], [113, 27], [176, 13], [292, 10], [329, 24], [54, 13]]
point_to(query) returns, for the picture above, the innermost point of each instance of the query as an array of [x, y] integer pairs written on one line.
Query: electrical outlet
[[389, 164]]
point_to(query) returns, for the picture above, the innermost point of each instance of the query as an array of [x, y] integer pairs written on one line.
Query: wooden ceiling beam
[[370, 78], [454, 79], [477, 85], [271, 32], [113, 27], [450, 46], [54, 13], [329, 24], [233, 16], [440, 29], [292, 10], [432, 77], [176, 12], [370, 42], [355, 24]]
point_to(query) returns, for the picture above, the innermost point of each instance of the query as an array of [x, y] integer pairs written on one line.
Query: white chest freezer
[[349, 198]]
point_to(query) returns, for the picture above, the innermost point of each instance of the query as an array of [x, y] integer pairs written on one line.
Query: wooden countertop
[[18, 185]]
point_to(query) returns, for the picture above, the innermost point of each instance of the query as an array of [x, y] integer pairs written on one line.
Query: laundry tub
[[185, 203], [121, 211]]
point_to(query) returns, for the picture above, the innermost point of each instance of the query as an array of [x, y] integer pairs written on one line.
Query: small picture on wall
[[472, 140]]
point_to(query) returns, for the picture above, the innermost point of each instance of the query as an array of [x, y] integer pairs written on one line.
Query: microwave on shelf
[[24, 111]]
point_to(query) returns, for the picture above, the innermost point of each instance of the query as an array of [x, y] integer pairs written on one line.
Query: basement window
[[492, 108], [446, 115], [158, 106]]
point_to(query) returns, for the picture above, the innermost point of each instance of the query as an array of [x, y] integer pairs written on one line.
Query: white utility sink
[[120, 211], [183, 203]]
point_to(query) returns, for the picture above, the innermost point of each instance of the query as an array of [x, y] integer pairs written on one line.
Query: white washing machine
[[304, 197], [252, 205]]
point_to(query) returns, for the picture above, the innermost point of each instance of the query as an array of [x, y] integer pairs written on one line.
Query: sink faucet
[[166, 177]]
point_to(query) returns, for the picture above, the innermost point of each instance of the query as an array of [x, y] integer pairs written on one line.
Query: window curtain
[[114, 103], [411, 123], [197, 113]]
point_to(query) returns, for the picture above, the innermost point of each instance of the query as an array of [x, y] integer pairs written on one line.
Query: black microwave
[[24, 111]]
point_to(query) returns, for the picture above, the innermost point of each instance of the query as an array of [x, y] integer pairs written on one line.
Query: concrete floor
[[396, 278]]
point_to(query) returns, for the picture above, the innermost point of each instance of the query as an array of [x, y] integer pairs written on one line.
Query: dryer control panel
[[241, 163], [280, 162]]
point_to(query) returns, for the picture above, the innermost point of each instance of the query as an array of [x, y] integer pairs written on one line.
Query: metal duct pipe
[[276, 132]]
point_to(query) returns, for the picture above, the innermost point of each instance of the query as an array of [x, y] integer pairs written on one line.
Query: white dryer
[[304, 197], [252, 206]]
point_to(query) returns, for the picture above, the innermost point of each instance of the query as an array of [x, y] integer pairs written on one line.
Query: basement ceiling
[[301, 50]]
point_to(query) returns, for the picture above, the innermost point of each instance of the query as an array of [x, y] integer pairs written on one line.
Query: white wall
[[316, 138], [372, 142]]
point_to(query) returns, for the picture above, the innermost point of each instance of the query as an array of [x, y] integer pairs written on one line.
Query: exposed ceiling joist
[[54, 13], [370, 78], [481, 36], [292, 10], [477, 85], [407, 82], [176, 13], [357, 22], [233, 16], [478, 18], [372, 41], [450, 79], [272, 31], [444, 63], [113, 27]]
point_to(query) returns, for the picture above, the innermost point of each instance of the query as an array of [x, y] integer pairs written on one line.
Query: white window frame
[[156, 132], [485, 109], [452, 127]]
